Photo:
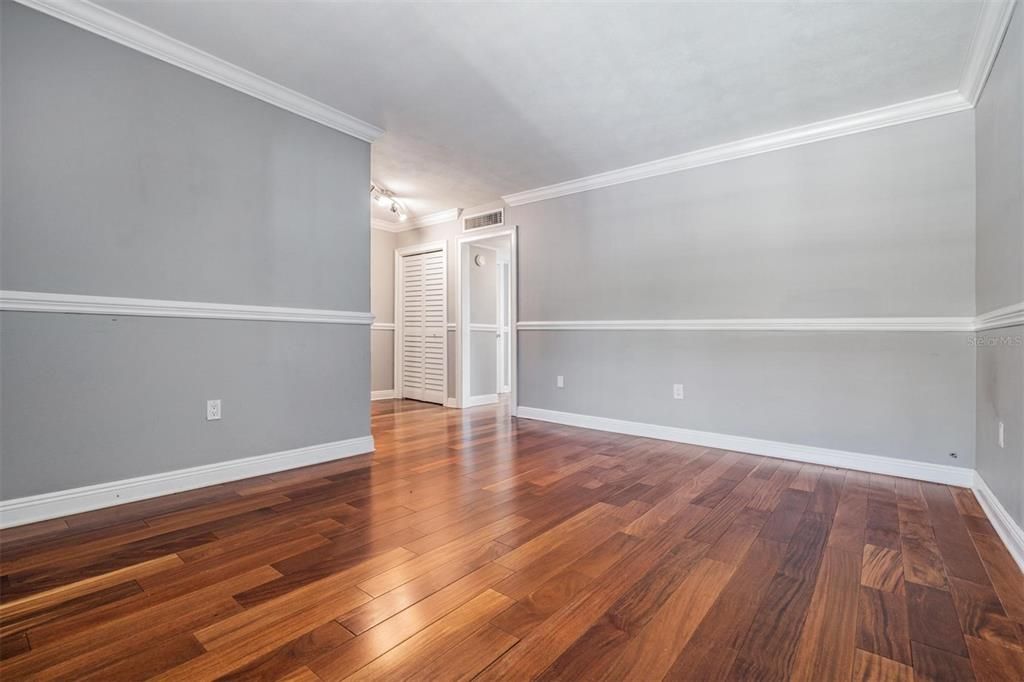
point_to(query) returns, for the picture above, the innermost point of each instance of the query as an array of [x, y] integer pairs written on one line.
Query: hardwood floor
[[472, 545]]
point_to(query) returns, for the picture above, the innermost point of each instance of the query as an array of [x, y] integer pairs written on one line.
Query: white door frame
[[426, 247], [462, 335], [504, 331]]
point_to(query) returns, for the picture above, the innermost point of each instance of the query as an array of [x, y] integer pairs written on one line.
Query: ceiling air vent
[[482, 220]]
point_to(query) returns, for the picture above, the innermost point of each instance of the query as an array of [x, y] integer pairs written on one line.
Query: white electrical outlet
[[677, 391], [559, 381], [212, 410], [1002, 435]]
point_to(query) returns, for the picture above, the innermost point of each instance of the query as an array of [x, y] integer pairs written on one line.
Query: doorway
[[421, 322], [486, 338]]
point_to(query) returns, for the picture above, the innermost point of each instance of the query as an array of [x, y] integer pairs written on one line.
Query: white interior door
[[423, 327]]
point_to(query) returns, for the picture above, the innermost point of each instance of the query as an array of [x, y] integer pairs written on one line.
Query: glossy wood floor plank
[[471, 545]]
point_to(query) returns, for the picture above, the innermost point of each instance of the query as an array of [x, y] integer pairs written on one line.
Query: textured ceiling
[[480, 100]]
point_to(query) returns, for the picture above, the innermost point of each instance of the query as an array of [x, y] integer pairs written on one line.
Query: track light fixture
[[385, 197]]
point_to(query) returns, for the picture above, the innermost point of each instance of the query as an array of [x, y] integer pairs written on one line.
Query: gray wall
[[907, 395], [1000, 271], [875, 224], [382, 305], [125, 176], [483, 298], [483, 286], [90, 399], [1000, 176]]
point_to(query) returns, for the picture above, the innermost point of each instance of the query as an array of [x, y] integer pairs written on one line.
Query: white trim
[[992, 24], [451, 402], [904, 112], [141, 38], [1008, 316], [451, 326], [388, 226], [383, 326], [462, 340], [890, 466], [1011, 534], [24, 510], [932, 324], [481, 327], [40, 302], [386, 394], [478, 400], [447, 216]]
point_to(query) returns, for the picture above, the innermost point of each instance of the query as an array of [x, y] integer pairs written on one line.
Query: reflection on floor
[[472, 544]]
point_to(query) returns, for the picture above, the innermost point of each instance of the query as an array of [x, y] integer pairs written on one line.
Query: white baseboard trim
[[1011, 534], [386, 394], [890, 466], [478, 400], [451, 402], [24, 510]]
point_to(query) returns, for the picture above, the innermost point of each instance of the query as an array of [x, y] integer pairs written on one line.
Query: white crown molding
[[40, 302], [904, 112], [877, 464], [992, 24], [448, 216], [24, 510], [1008, 530], [141, 38], [993, 21], [927, 324], [388, 226], [1009, 316], [385, 394], [383, 326]]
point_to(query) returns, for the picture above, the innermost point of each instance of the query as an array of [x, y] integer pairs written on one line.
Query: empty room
[[430, 341]]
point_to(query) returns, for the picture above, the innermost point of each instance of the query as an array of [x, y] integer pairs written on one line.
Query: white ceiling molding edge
[[446, 216], [388, 226], [904, 112], [992, 25], [136, 36]]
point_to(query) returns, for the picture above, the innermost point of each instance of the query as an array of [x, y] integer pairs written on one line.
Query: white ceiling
[[481, 100]]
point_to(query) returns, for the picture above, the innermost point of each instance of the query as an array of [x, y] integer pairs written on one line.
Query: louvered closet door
[[423, 327]]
